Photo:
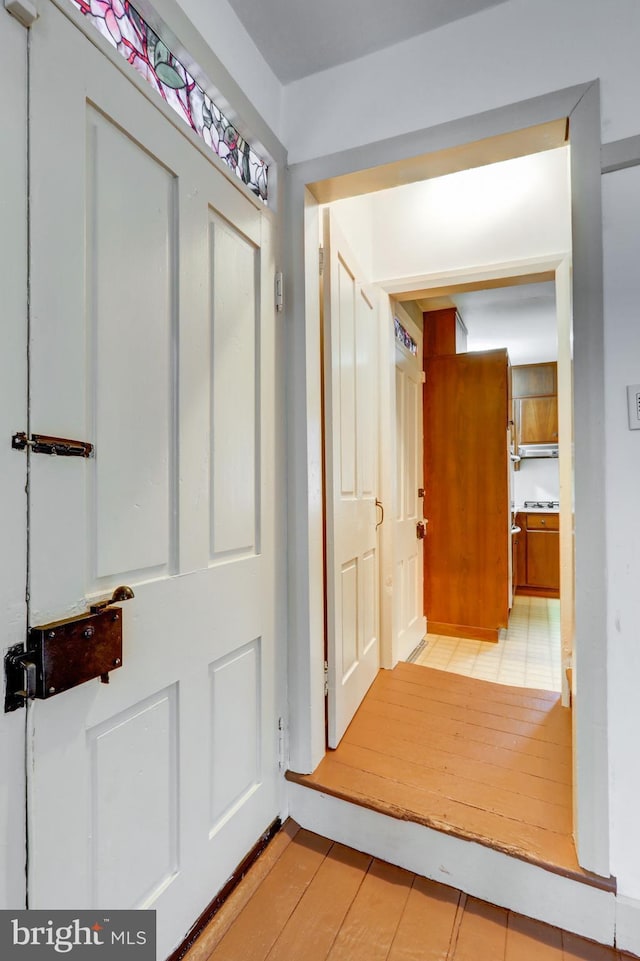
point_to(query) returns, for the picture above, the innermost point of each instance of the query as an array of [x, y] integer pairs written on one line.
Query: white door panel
[[351, 445], [152, 337], [409, 621]]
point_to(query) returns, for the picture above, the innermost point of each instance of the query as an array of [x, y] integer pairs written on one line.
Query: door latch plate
[[62, 655]]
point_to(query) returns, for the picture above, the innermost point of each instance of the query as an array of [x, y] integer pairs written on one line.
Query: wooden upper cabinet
[[535, 380], [535, 403], [537, 419]]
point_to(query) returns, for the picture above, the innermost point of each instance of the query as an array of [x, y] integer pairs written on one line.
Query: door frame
[[14, 271], [556, 269], [580, 105]]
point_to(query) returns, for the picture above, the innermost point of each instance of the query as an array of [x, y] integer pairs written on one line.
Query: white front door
[[408, 603], [351, 451], [153, 337]]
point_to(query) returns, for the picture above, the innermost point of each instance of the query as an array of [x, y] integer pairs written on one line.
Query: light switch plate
[[633, 402]]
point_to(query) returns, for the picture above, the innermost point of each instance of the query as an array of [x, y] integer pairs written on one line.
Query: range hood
[[538, 450]]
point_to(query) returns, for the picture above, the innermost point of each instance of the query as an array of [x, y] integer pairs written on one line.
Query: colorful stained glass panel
[[131, 35], [404, 337]]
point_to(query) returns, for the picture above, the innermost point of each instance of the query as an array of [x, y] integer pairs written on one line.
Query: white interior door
[[351, 448], [13, 418], [152, 337], [408, 604]]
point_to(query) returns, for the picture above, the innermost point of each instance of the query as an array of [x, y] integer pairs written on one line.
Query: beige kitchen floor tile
[[528, 655]]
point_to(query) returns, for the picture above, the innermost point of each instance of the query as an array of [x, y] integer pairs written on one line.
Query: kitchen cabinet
[[537, 420], [466, 415], [444, 332], [537, 554], [535, 404], [535, 380]]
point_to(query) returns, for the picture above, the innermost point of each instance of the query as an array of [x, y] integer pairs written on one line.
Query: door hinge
[[59, 446], [321, 260], [282, 745], [279, 291], [326, 678]]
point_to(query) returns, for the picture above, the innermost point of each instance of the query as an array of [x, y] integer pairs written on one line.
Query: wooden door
[[13, 465], [351, 452], [152, 337], [408, 594], [467, 494]]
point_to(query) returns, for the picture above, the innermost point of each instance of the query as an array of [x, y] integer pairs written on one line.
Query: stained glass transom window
[[404, 337], [131, 35]]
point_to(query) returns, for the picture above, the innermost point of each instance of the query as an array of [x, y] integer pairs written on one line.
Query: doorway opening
[[420, 739], [524, 572], [483, 466], [457, 145], [539, 268]]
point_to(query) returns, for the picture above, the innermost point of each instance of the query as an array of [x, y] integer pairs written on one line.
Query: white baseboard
[[477, 870], [628, 924]]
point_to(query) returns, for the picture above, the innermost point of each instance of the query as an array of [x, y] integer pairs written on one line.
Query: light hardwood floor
[[478, 760], [308, 899]]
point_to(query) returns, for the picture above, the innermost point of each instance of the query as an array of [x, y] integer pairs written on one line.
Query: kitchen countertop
[[536, 510]]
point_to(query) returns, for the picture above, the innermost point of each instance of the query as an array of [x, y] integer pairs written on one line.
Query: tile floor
[[528, 656]]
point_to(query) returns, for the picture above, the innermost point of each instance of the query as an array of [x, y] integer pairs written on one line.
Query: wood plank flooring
[[482, 761], [318, 901]]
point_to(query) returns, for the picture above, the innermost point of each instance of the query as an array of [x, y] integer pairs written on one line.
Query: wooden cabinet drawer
[[543, 522]]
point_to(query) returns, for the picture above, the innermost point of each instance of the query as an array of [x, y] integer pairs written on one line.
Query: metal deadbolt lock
[[64, 654]]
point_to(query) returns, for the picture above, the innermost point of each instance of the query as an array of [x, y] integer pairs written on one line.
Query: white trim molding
[[620, 154], [475, 869], [628, 924]]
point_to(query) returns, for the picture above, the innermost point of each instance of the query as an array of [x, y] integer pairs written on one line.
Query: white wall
[[621, 198], [511, 211], [536, 480], [225, 34], [511, 52], [514, 210]]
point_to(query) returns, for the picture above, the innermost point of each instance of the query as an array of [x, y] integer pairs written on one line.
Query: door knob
[[120, 594]]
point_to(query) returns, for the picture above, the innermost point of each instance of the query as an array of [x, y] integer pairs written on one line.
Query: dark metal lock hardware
[[64, 654], [45, 444], [421, 529]]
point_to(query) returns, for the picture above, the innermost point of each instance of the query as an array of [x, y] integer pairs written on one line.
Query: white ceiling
[[301, 37], [522, 319]]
